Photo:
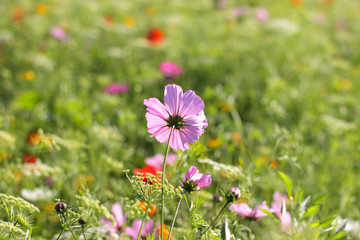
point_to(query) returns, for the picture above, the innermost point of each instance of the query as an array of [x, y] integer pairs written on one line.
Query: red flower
[[147, 169], [155, 35], [28, 158]]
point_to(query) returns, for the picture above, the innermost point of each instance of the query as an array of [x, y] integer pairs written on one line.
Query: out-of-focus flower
[[41, 9], [170, 70], [152, 208], [133, 231], [237, 138], [194, 180], [17, 15], [183, 111], [319, 18], [233, 194], [328, 1], [29, 75], [296, 2], [218, 198], [213, 143], [340, 24], [129, 22], [59, 33], [342, 84], [278, 207], [83, 180], [165, 234], [244, 210], [155, 35], [261, 14], [148, 170], [117, 88], [157, 160], [239, 11], [38, 194], [35, 138], [108, 225], [221, 4], [29, 158], [109, 20]]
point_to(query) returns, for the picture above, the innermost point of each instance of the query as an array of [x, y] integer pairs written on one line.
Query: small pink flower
[[278, 207], [261, 14], [59, 33], [239, 11], [182, 111], [116, 88], [119, 217], [170, 70], [157, 160], [194, 180], [133, 231], [244, 210]]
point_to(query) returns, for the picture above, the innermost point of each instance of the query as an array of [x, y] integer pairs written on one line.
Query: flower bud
[[217, 198], [81, 221], [233, 194], [60, 207]]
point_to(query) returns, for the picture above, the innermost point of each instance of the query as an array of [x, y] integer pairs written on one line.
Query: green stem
[[213, 222], [63, 215], [162, 183], [82, 229], [176, 212], [143, 221]]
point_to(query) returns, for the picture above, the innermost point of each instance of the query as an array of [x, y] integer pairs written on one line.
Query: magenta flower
[[278, 207], [239, 11], [119, 217], [261, 14], [157, 160], [133, 231], [183, 111], [116, 88], [170, 70], [194, 180], [244, 210], [59, 33]]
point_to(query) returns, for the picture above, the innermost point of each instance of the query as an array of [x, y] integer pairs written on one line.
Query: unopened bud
[[81, 221], [233, 194], [60, 207]]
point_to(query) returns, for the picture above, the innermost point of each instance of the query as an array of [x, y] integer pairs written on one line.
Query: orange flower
[[148, 170], [29, 75], [328, 1], [166, 232], [274, 164], [109, 20], [213, 143], [17, 15], [225, 107], [34, 138], [152, 208], [155, 35], [237, 138], [296, 2]]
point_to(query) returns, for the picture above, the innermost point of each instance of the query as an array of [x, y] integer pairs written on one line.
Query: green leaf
[[270, 214], [288, 183], [311, 211]]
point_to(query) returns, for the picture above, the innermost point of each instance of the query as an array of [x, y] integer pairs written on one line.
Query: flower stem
[[162, 183], [143, 221], [177, 209], [213, 222], [83, 232], [63, 215]]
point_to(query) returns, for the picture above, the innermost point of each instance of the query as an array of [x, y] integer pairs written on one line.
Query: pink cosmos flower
[[170, 69], [194, 180], [183, 111], [261, 14], [59, 33], [239, 11], [244, 210], [157, 160], [116, 88], [133, 231], [278, 207], [119, 217]]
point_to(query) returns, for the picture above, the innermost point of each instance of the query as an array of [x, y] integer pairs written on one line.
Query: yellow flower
[[29, 75], [129, 22], [41, 9], [225, 107]]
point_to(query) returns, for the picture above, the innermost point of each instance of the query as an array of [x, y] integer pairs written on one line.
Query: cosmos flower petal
[[191, 104], [242, 209], [204, 182], [118, 214], [162, 134], [258, 213], [172, 97], [107, 223], [155, 107], [131, 232], [148, 228]]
